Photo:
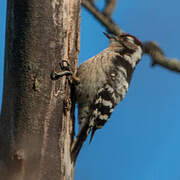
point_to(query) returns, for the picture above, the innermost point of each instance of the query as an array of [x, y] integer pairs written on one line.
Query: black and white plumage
[[104, 81]]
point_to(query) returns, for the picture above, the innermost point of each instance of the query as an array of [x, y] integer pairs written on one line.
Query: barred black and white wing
[[102, 108]]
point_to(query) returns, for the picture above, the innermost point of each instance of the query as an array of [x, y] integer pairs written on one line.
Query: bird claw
[[57, 75], [65, 66]]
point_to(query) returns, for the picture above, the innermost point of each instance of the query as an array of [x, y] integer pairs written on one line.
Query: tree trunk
[[36, 125]]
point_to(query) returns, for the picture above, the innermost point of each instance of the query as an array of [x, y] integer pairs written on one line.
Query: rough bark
[[36, 125]]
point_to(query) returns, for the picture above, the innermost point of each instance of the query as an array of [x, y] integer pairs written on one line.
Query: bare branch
[[149, 48], [109, 7], [92, 1], [158, 57], [104, 20]]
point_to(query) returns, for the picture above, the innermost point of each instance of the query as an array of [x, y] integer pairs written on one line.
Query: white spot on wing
[[114, 96], [103, 117], [99, 100], [96, 113], [107, 103], [110, 89]]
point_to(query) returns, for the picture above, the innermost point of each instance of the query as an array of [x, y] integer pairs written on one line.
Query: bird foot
[[65, 67]]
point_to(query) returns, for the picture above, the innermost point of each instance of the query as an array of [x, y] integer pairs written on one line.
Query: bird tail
[[92, 134], [79, 140]]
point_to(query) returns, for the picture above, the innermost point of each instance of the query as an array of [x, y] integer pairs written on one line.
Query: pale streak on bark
[[46, 128], [151, 49]]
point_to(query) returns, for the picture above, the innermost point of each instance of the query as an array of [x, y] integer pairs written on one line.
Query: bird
[[103, 82]]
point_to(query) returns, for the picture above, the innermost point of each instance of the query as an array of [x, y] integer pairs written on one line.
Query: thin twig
[[104, 20], [92, 1], [109, 7], [149, 48]]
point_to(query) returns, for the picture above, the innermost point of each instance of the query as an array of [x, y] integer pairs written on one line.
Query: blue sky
[[2, 41], [141, 140]]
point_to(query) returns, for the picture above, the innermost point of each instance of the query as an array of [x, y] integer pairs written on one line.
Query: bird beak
[[108, 35]]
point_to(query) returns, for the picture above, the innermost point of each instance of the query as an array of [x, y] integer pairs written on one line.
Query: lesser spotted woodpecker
[[104, 81]]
